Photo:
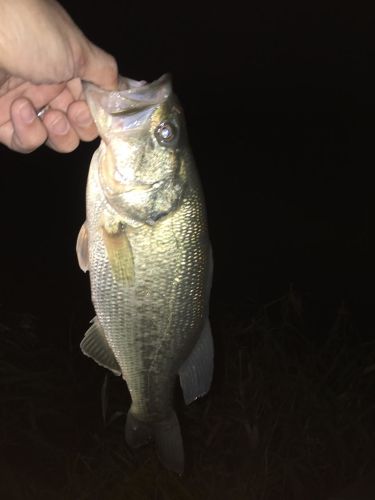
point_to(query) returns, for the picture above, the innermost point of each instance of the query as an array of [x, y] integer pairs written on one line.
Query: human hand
[[43, 58]]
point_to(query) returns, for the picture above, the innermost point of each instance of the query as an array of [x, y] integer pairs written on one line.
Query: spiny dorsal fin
[[197, 371]]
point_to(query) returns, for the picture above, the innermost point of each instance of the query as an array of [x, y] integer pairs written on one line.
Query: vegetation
[[290, 414]]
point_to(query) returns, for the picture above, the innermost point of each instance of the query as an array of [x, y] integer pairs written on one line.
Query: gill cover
[[141, 167]]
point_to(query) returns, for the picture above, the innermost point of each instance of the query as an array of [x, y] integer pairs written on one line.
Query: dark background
[[279, 101]]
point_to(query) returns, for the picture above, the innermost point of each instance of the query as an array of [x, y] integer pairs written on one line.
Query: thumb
[[99, 68]]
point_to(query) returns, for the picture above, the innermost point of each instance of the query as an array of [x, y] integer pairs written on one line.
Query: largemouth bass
[[146, 245]]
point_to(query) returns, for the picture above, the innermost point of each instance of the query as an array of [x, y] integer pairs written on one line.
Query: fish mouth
[[132, 95]]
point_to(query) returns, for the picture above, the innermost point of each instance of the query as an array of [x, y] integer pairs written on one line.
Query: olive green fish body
[[146, 245]]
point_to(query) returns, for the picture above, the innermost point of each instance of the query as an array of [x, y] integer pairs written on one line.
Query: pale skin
[[44, 58]]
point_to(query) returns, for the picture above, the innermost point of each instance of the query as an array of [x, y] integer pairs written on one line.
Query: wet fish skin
[[146, 245]]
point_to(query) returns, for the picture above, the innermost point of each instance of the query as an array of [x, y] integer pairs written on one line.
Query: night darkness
[[279, 102]]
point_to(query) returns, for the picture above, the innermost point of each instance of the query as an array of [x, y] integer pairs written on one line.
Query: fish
[[146, 246]]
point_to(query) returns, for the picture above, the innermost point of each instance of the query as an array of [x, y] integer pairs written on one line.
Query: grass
[[290, 415]]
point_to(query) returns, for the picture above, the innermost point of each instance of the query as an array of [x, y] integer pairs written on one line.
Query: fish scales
[[140, 320], [150, 270]]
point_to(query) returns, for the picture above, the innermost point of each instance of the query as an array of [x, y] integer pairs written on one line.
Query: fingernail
[[83, 118], [27, 113], [60, 126]]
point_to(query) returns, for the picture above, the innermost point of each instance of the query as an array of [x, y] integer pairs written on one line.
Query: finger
[[8, 96], [62, 101], [38, 95], [75, 88], [81, 120], [25, 132], [99, 68], [61, 136]]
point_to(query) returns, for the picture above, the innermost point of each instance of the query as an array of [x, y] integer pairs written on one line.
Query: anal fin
[[95, 346]]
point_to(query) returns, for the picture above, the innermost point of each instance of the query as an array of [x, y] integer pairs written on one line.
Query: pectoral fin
[[82, 248], [95, 346], [197, 371], [119, 253]]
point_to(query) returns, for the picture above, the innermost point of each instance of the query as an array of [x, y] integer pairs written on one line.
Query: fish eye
[[166, 132]]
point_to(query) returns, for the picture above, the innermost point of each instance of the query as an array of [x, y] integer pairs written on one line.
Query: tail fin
[[169, 445], [137, 433], [167, 437]]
